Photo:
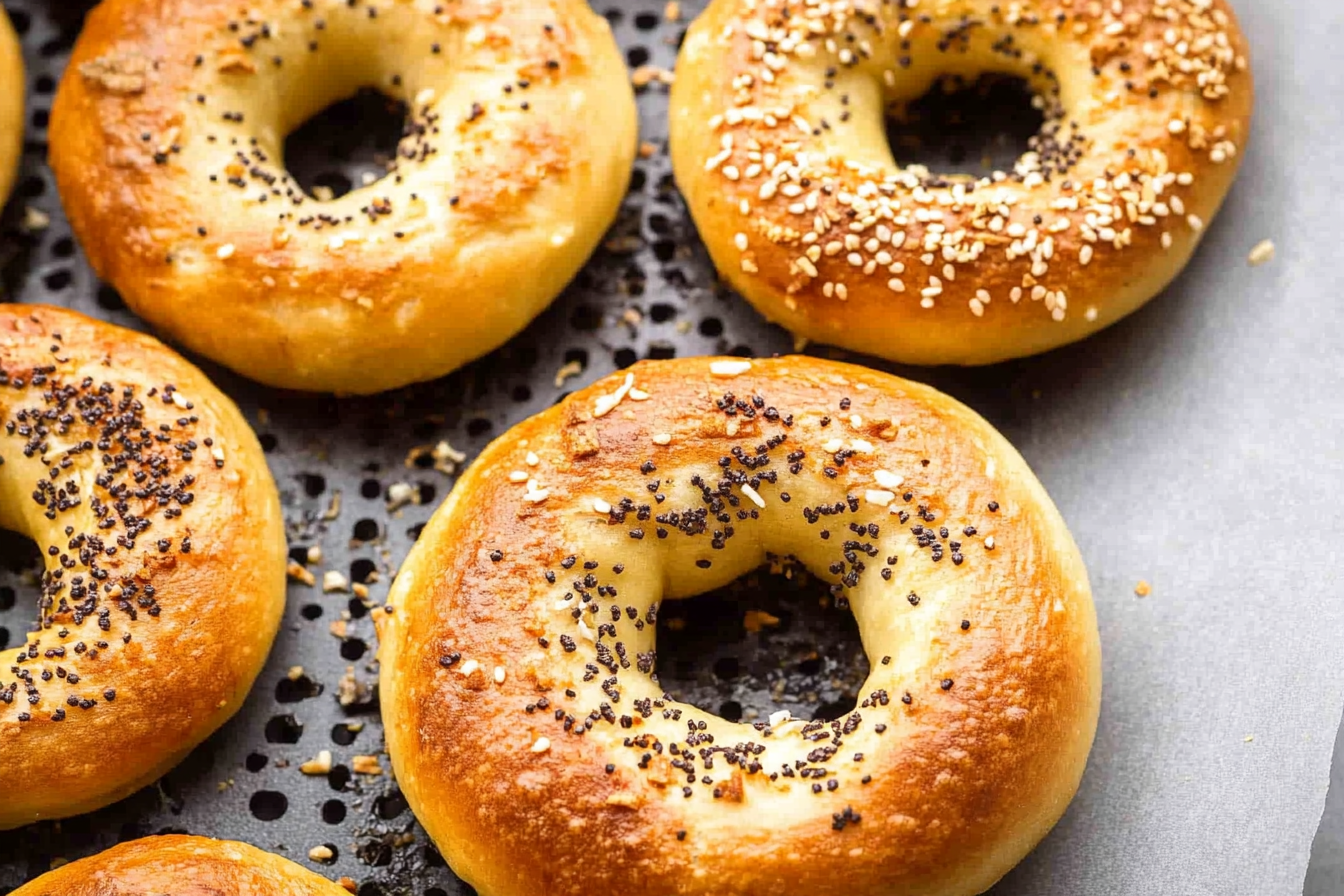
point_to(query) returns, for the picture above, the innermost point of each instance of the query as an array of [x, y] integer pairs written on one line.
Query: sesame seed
[[888, 480], [606, 403], [878, 497], [729, 368]]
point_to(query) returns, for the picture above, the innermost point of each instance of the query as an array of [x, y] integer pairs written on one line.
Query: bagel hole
[[20, 570], [347, 145], [773, 639], [966, 126]]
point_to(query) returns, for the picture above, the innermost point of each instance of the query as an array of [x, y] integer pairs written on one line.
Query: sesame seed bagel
[[182, 866], [11, 105], [519, 674], [160, 525], [167, 141], [779, 145]]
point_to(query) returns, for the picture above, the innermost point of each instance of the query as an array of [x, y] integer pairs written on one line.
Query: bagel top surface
[[525, 738], [12, 86], [778, 138], [167, 142], [182, 866], [149, 499]]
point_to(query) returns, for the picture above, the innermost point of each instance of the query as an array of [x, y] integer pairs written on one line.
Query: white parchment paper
[[1200, 446]]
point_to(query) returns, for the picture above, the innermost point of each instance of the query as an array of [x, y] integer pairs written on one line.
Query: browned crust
[[12, 86], [183, 866], [204, 582], [407, 292], [964, 782], [893, 325]]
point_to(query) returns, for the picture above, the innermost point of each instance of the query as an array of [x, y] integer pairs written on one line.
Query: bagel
[[542, 756], [160, 525], [778, 143], [182, 866], [167, 140], [11, 105]]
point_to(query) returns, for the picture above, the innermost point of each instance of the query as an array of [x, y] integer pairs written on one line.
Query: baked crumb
[[296, 571], [1262, 253], [567, 370], [366, 765]]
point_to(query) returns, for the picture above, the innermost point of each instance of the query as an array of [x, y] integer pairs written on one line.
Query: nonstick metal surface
[[649, 292]]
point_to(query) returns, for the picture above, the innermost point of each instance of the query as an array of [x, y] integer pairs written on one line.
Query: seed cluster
[[846, 223], [732, 494], [141, 472]]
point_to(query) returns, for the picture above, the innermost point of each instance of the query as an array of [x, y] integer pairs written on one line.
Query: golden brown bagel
[[11, 105], [167, 139], [779, 147], [181, 866], [542, 756], [151, 502]]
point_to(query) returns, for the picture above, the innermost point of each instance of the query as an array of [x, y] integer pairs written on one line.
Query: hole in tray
[[333, 811], [268, 805], [283, 730], [390, 805], [296, 690], [342, 736]]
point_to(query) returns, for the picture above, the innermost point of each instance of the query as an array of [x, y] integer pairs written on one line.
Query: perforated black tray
[[649, 293]]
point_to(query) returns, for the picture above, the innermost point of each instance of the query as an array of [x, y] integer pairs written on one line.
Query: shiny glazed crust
[[12, 84], [778, 143], [182, 866], [521, 137], [148, 496], [539, 753]]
